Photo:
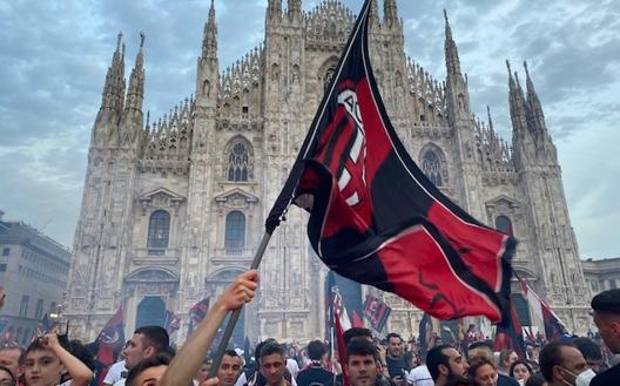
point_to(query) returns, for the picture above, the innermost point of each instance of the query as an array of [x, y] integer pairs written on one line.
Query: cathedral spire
[[136, 81], [294, 9], [457, 92], [209, 41], [489, 118], [390, 12], [538, 116], [374, 12], [131, 123], [113, 96], [274, 11], [453, 63]]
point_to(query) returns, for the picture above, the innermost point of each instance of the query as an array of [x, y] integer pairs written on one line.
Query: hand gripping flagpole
[[234, 317]]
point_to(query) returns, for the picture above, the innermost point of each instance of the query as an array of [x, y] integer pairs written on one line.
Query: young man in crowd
[[395, 359], [272, 364], [189, 359], [506, 358], [562, 364], [361, 366], [230, 368], [145, 343], [591, 352], [149, 371], [446, 365], [315, 374], [485, 349], [606, 314]]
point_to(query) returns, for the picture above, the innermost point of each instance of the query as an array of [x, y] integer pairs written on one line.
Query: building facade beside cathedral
[[174, 208]]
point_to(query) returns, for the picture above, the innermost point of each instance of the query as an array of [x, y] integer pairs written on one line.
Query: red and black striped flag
[[374, 216]]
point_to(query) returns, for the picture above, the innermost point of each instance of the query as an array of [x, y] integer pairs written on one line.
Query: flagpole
[[234, 317]]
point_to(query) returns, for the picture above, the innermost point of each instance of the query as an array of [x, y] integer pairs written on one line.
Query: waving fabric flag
[[109, 344], [542, 313], [376, 218], [197, 313], [172, 323], [510, 335], [44, 326]]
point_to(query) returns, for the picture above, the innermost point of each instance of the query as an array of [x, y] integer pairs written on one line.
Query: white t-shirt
[[242, 380], [420, 376], [293, 367], [120, 382], [114, 373]]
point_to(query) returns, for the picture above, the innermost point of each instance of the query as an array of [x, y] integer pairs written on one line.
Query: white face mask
[[585, 377]]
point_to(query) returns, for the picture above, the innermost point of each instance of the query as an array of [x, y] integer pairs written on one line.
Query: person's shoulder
[[505, 380], [604, 378]]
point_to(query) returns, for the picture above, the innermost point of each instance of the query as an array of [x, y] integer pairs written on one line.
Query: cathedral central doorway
[[151, 312]]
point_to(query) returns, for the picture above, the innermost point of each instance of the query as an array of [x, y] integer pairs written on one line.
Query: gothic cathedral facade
[[173, 208]]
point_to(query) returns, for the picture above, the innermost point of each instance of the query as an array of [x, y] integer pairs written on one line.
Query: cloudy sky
[[54, 55]]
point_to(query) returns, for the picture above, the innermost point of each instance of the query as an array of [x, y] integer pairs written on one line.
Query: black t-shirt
[[396, 366], [315, 376], [607, 378]]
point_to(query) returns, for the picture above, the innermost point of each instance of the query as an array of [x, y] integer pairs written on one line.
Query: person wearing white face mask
[[562, 364]]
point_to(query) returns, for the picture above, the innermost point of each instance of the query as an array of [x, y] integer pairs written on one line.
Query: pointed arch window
[[431, 166], [159, 229], [504, 224], [239, 162], [235, 232]]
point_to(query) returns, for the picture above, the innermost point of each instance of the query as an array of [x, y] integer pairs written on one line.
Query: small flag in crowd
[[109, 344], [376, 218], [172, 323], [197, 313], [44, 326], [376, 312], [341, 324], [542, 313]]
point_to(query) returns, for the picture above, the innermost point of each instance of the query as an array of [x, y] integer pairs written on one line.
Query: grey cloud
[[52, 76]]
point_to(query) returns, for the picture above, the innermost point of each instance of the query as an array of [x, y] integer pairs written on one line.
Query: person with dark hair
[[394, 359], [591, 352], [146, 342], [562, 364], [521, 371], [446, 365], [361, 366], [536, 380], [9, 358], [230, 368], [149, 371], [46, 361], [315, 374], [6, 377], [485, 348], [189, 359], [356, 333], [606, 315], [272, 364]]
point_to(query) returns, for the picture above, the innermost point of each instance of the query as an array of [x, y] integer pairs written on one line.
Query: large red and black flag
[[375, 217]]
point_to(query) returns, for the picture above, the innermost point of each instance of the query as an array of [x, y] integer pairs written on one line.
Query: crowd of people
[[148, 359]]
